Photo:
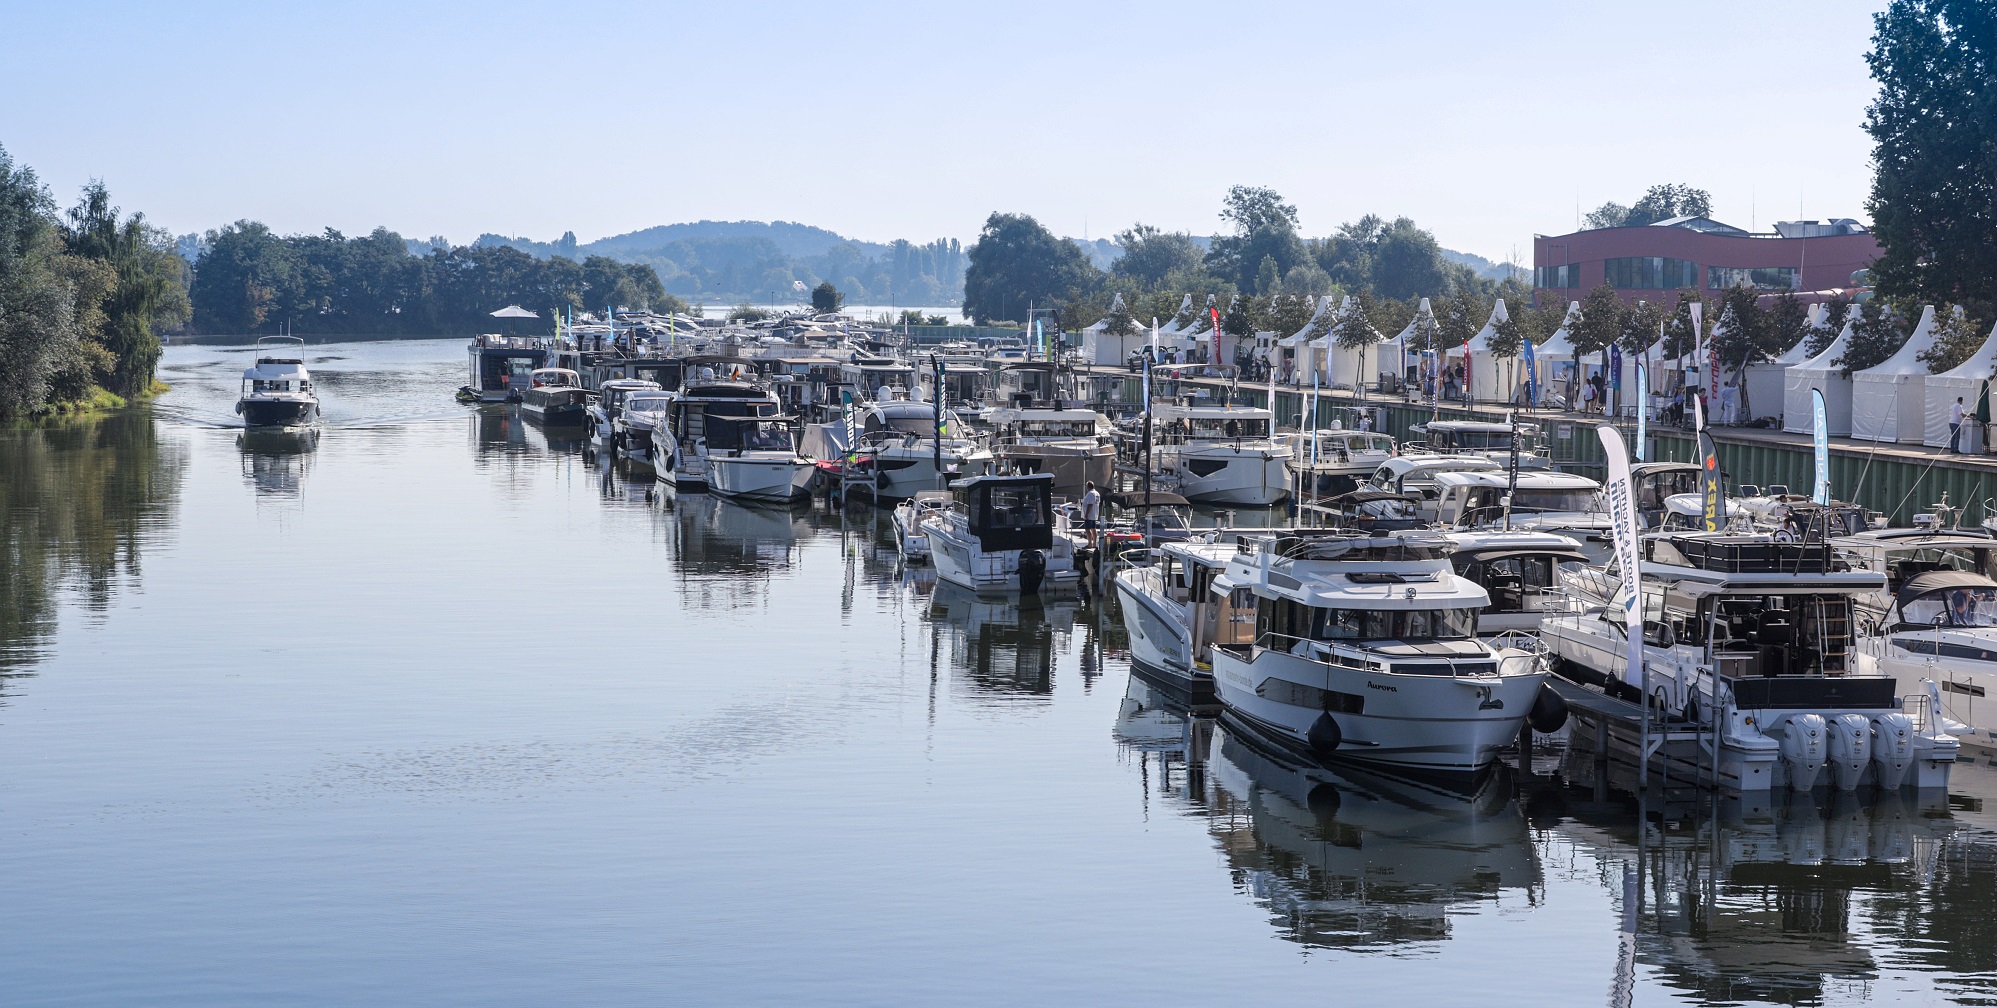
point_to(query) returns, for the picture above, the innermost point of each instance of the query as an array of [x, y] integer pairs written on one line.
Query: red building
[[1814, 259]]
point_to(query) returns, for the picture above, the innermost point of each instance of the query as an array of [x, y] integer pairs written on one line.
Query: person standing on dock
[[1955, 426], [1092, 509]]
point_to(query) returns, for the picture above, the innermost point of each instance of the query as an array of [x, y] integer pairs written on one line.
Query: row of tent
[[1897, 401]]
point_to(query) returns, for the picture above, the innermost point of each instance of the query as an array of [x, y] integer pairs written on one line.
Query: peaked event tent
[[1352, 364], [1889, 402], [1556, 356], [1483, 366], [1971, 381], [1297, 343], [1765, 385], [1819, 373], [1321, 356]]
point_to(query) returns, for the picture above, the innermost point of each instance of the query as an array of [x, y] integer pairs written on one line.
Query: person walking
[[1955, 426]]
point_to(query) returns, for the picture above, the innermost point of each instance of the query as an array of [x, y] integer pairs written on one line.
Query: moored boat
[[555, 396]]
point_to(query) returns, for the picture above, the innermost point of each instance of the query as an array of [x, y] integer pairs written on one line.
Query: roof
[[1704, 225], [1528, 479], [1824, 361], [1906, 360], [1942, 580]]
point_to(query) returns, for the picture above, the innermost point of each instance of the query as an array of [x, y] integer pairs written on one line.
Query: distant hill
[[799, 241], [1485, 268]]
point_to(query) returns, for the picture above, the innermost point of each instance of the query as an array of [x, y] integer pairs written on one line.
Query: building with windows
[[1813, 259]]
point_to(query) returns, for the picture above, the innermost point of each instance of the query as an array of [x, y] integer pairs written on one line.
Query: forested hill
[[759, 261]]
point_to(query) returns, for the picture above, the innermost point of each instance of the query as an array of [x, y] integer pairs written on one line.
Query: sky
[[1484, 122]]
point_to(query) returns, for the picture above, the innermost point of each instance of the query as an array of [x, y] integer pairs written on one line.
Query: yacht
[[899, 441], [757, 458], [1534, 500], [640, 430], [1071, 444], [609, 403], [1326, 463], [1164, 606], [277, 391], [1521, 570], [999, 536], [1755, 636], [1414, 476], [711, 417], [556, 396], [908, 518], [1365, 647], [1219, 454], [1481, 438], [501, 368], [1935, 619]]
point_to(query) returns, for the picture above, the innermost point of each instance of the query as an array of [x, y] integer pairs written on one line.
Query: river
[[428, 709]]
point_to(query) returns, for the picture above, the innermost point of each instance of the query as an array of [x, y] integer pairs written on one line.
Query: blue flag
[[1616, 367], [1820, 488], [1531, 377]]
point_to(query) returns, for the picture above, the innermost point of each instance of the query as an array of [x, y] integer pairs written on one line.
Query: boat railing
[[1919, 708], [1521, 640], [1282, 643]]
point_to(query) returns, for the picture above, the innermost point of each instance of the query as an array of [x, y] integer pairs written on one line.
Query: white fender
[[1850, 748], [1892, 750]]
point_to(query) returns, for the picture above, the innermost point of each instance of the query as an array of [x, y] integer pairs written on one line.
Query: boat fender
[[1032, 567], [1549, 711], [1324, 735]]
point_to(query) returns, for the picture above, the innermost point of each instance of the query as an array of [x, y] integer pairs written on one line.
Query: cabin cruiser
[[1522, 572], [705, 421], [1755, 636], [757, 458], [610, 397], [1414, 476], [502, 368], [1936, 619], [1327, 463], [1366, 647], [1164, 607], [999, 537], [908, 517], [640, 432], [899, 441], [1483, 438], [1537, 500], [1219, 454], [1796, 518], [556, 396], [1071, 444], [277, 391]]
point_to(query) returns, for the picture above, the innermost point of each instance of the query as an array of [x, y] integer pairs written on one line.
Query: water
[[427, 709]]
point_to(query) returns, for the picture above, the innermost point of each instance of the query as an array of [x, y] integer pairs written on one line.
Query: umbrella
[[514, 311]]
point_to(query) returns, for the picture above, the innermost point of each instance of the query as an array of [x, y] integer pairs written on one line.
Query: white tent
[[1483, 369], [1820, 373], [1766, 383], [1554, 359], [1969, 381], [1321, 359], [1889, 402], [1100, 347], [1354, 365], [1297, 344]]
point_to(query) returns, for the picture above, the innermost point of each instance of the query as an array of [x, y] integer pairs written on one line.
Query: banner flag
[[1820, 490], [1619, 492], [1642, 411]]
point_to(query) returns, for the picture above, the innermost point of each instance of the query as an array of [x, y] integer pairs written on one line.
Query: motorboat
[[1219, 454], [1072, 444], [1326, 463], [705, 420], [610, 397], [999, 536], [1482, 438], [502, 368], [1935, 620], [900, 444], [277, 391], [757, 458], [1535, 500], [556, 396], [1751, 639], [1365, 647], [1521, 571], [1795, 517], [1164, 605], [640, 431], [908, 517], [1414, 476]]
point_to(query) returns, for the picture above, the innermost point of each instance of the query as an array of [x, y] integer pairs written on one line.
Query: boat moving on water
[[277, 391]]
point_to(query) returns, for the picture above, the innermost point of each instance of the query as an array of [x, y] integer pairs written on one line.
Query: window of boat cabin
[[1960, 607], [1012, 507], [1228, 427], [1231, 619], [1670, 483], [1401, 624]]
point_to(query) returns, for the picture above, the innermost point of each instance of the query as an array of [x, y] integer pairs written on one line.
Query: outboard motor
[[1892, 750], [1850, 748], [1032, 568], [1804, 749]]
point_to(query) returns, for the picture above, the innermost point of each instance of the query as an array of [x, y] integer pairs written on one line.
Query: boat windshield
[[1229, 427], [1554, 500], [653, 404], [1961, 607], [1396, 624], [768, 435], [1057, 428]]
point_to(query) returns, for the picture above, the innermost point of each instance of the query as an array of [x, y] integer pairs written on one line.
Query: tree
[[1252, 208], [1788, 324], [1957, 336], [1638, 327], [1608, 215], [1601, 321], [1507, 337], [1876, 334], [1287, 313], [1236, 320], [149, 286], [1264, 228], [1016, 261], [1660, 202], [1836, 311], [826, 299], [1268, 279], [1149, 254], [1934, 127]]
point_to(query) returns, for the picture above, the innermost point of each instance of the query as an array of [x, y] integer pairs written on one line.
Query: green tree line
[[83, 295], [250, 280]]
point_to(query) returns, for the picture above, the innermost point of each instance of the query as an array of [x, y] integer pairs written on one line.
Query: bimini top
[[1929, 582]]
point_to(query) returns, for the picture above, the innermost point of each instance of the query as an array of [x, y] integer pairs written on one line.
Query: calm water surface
[[428, 709]]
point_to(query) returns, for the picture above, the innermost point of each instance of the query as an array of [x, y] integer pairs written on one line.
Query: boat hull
[[769, 479], [995, 575], [1156, 628], [278, 412], [1228, 475], [1427, 723]]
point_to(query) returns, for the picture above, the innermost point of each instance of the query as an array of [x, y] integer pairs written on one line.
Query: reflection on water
[[1004, 650], [80, 503], [275, 461]]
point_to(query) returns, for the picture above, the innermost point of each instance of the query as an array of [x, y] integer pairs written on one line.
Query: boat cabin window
[[1529, 500], [1654, 489], [264, 385], [508, 370], [648, 404], [1283, 622], [902, 424], [748, 435], [1228, 427], [1015, 507], [1960, 607], [1231, 620], [1054, 428]]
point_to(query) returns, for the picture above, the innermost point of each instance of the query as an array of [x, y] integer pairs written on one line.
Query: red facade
[[1568, 266]]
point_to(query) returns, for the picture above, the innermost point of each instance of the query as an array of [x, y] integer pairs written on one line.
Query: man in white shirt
[[1955, 425], [1092, 507]]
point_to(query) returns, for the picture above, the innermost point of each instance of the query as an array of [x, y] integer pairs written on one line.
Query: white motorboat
[[908, 517], [502, 368], [1483, 439], [1164, 607], [1536, 500], [999, 536], [1936, 620], [1072, 444], [1414, 476], [555, 396], [1365, 647], [609, 403], [1752, 639], [1522, 572], [901, 442], [1326, 463], [640, 430], [277, 391], [711, 418], [757, 458], [1219, 454]]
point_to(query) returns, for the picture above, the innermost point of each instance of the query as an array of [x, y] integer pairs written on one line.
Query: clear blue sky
[[1485, 122]]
